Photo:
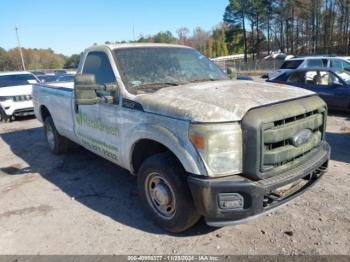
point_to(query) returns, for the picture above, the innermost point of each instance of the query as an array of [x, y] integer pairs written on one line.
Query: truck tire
[[57, 143], [164, 193]]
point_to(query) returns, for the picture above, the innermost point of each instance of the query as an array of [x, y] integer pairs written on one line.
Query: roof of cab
[[14, 73], [133, 45]]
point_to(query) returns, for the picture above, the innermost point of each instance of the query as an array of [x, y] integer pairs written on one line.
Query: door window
[[317, 62], [97, 63], [322, 78], [291, 64], [340, 65], [296, 78]]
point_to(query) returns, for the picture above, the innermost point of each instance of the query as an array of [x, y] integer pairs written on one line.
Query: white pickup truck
[[16, 94], [200, 143]]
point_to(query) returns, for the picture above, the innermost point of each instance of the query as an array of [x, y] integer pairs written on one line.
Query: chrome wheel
[[160, 196], [50, 137]]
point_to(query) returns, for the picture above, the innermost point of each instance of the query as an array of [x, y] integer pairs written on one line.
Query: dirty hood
[[219, 101]]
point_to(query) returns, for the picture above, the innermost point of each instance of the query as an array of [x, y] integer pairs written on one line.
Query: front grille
[[268, 132], [278, 149], [21, 98]]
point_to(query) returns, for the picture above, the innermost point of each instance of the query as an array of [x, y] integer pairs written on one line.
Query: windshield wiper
[[156, 85], [152, 87], [159, 84]]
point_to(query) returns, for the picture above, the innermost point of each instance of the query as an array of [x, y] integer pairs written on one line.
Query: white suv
[[338, 63], [16, 94]]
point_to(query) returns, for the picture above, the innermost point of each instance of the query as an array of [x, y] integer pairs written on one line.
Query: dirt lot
[[81, 204]]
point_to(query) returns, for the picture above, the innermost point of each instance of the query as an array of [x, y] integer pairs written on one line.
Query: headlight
[[21, 98], [220, 147]]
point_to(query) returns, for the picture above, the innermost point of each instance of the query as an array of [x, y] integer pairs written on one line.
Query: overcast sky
[[70, 26]]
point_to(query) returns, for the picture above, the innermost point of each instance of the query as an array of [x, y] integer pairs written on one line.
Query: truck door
[[96, 125]]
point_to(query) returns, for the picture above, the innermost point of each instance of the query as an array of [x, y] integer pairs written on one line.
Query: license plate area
[[280, 194]]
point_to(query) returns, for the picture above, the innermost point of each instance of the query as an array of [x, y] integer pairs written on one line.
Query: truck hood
[[16, 90], [219, 101]]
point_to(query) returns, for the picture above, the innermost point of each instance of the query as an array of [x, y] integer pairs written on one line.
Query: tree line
[[35, 59], [256, 28], [291, 26], [211, 43]]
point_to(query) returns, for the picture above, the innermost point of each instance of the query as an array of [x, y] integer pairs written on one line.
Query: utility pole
[[20, 49]]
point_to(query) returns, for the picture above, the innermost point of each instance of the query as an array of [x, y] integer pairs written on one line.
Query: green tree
[[236, 13], [219, 46], [72, 61], [164, 37], [4, 60]]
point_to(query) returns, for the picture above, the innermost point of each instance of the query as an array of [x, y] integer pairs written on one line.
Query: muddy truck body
[[199, 143]]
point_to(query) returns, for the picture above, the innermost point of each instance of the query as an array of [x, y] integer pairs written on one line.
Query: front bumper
[[259, 196], [21, 108]]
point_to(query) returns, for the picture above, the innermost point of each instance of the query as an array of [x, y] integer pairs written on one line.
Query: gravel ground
[[79, 203]]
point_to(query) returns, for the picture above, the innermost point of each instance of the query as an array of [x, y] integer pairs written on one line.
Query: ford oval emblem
[[302, 137]]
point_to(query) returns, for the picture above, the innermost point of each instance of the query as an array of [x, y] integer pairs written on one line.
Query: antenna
[[20, 49], [133, 30]]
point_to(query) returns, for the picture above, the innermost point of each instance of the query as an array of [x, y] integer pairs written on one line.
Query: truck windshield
[[146, 69], [17, 80]]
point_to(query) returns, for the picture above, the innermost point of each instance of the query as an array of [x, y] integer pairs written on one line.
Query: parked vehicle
[[60, 72], [47, 78], [346, 58], [336, 63], [200, 143], [332, 86], [247, 78], [16, 94], [38, 73]]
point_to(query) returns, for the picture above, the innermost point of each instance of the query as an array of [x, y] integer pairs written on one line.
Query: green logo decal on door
[[83, 120]]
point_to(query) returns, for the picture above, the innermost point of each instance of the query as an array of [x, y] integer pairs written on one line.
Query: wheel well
[[144, 149], [44, 112]]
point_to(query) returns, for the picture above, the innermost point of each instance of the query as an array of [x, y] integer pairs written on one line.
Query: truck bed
[[58, 101]]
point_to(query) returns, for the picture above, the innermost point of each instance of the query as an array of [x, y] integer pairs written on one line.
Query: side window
[[346, 66], [337, 64], [97, 63], [292, 64], [311, 77], [315, 63], [296, 78], [322, 78]]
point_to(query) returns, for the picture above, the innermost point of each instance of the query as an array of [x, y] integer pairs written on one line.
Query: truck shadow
[[340, 146], [338, 113], [93, 181], [340, 142]]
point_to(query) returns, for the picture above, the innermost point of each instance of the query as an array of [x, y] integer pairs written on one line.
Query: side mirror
[[85, 89]]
